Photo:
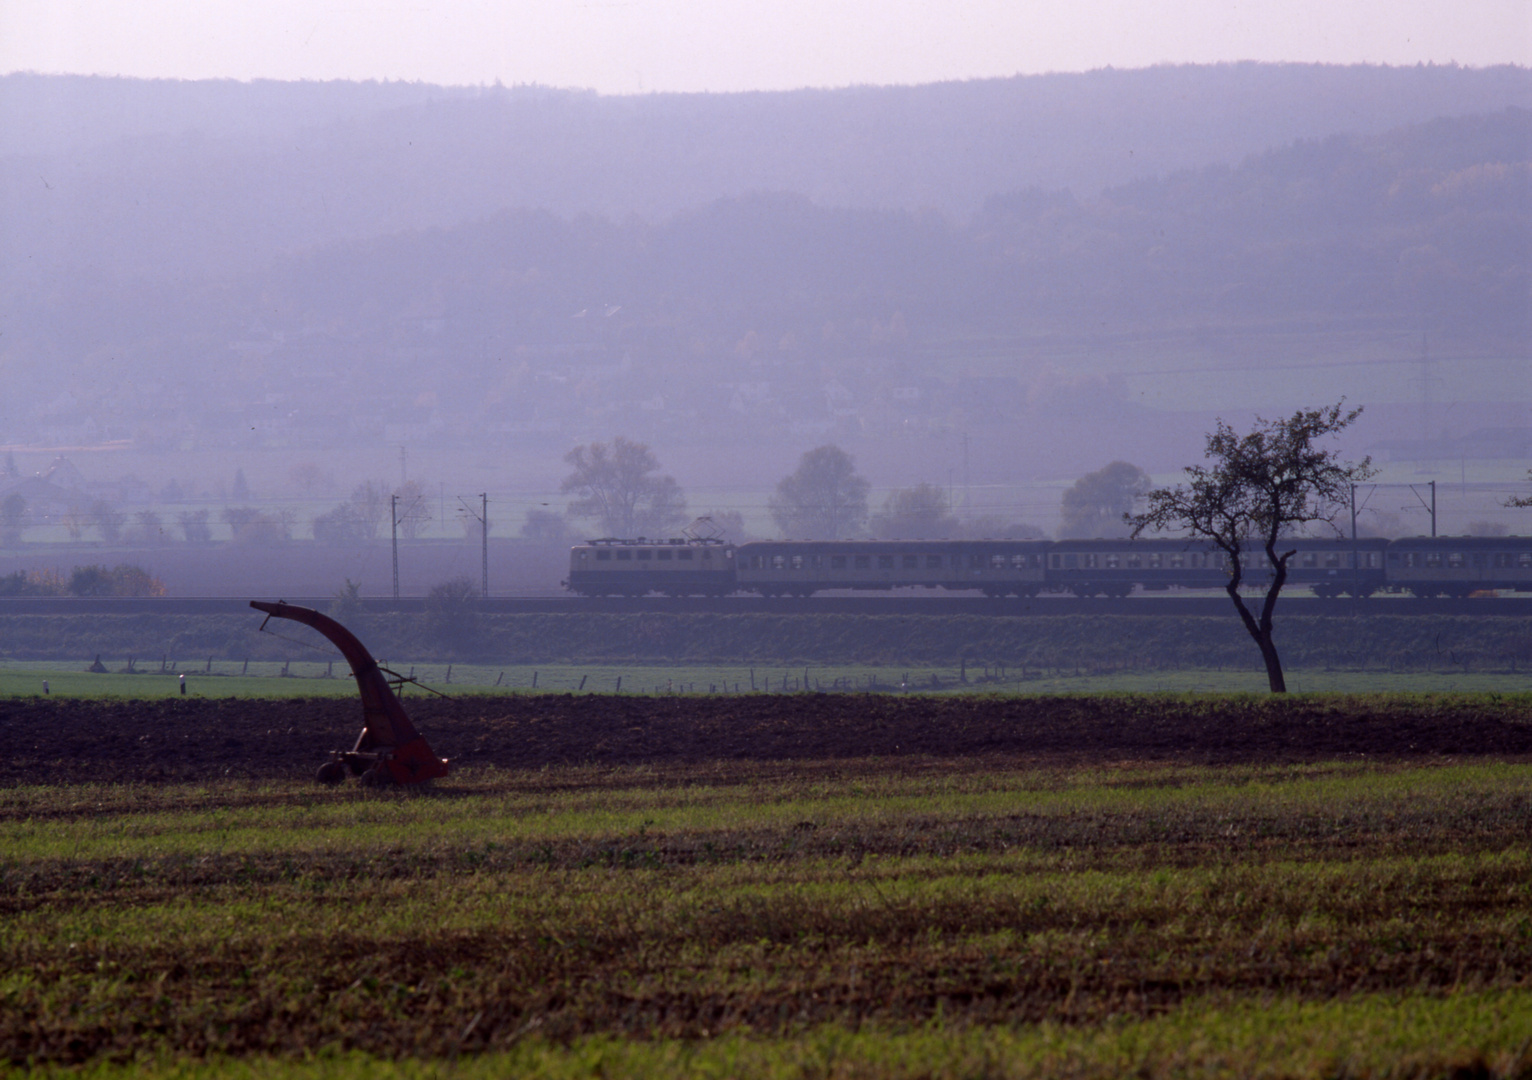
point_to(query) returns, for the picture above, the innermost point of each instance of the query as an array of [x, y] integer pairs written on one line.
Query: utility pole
[[393, 518], [482, 517], [1433, 509], [1356, 555]]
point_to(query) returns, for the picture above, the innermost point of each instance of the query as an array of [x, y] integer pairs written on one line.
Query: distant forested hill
[[1429, 226], [170, 180], [756, 312]]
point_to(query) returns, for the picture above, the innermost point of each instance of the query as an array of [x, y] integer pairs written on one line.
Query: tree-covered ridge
[[1437, 215], [759, 310]]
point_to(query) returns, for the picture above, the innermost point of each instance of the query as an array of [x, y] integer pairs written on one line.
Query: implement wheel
[[331, 772]]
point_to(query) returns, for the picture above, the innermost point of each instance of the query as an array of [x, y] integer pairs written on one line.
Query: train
[[1449, 566]]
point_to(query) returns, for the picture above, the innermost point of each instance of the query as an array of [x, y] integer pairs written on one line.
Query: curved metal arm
[[385, 724]]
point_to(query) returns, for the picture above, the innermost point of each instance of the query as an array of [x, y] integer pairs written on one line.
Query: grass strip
[[1378, 1036]]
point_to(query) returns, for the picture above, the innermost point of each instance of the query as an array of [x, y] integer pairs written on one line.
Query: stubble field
[[811, 885]]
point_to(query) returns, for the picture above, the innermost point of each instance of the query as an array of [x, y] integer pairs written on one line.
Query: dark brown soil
[[72, 741]]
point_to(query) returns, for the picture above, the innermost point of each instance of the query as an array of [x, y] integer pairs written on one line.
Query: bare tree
[[822, 499], [249, 525], [1259, 490], [543, 527], [615, 485], [13, 512], [917, 513], [1521, 500], [194, 526], [414, 509], [108, 520], [369, 507], [1097, 502], [344, 524], [148, 529]]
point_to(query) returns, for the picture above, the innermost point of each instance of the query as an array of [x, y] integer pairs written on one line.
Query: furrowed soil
[[1304, 886], [63, 741]]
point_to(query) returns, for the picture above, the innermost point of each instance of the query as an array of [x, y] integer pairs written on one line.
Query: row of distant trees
[[121, 580], [619, 488]]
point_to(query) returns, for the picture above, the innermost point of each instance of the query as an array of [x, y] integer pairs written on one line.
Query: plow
[[389, 750]]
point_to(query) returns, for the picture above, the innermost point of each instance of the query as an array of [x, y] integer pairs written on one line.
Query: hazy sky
[[626, 46]]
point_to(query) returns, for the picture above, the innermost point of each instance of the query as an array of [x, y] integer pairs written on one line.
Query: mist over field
[[261, 295]]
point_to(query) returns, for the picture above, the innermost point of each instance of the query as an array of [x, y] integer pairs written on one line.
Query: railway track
[[903, 605]]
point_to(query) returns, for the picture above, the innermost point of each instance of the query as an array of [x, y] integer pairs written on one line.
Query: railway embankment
[[1388, 642]]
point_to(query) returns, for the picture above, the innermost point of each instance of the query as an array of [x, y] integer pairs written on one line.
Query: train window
[[837, 562], [1053, 562], [797, 562], [933, 562], [885, 562], [624, 556], [1155, 561], [1090, 560], [1134, 561], [816, 562], [1502, 560], [997, 562], [1177, 561], [1332, 559], [665, 555], [685, 556], [1524, 561], [707, 554], [863, 561], [644, 555], [912, 562], [1375, 560], [779, 562], [1071, 560], [1455, 560], [1018, 561], [976, 561], [1113, 561], [1308, 559], [582, 556], [603, 556], [1433, 558]]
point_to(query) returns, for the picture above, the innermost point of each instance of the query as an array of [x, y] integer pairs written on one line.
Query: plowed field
[[72, 741]]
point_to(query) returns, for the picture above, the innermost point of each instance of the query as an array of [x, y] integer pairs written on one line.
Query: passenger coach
[[804, 567], [1460, 565]]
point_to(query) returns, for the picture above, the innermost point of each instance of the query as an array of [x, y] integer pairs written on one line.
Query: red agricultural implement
[[389, 750]]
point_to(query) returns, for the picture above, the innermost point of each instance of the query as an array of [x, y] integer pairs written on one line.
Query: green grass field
[[264, 679], [869, 920]]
